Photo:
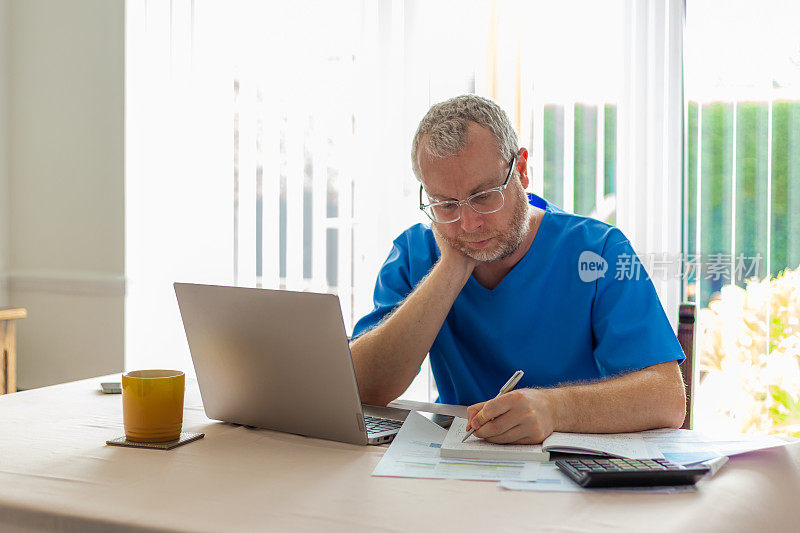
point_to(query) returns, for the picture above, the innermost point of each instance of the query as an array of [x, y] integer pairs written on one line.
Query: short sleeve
[[391, 288], [629, 327]]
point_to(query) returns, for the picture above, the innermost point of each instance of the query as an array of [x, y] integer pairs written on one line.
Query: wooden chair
[[686, 321], [8, 348]]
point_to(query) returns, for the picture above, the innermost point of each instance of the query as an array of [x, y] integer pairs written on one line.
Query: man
[[502, 282]]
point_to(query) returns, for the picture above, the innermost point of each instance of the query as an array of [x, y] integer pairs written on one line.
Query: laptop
[[279, 360]]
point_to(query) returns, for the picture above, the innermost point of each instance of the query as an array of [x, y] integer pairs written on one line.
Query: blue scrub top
[[557, 315]]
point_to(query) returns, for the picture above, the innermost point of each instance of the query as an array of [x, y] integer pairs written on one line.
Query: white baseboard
[[64, 282]]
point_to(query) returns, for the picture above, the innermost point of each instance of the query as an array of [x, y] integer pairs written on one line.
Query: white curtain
[[649, 140], [240, 108], [324, 99]]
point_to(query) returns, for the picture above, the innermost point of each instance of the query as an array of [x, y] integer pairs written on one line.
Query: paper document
[[551, 479], [686, 446], [427, 407], [680, 446], [627, 445], [477, 448], [734, 445], [415, 453]]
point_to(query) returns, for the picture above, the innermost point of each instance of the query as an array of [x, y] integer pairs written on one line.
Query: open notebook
[[627, 445]]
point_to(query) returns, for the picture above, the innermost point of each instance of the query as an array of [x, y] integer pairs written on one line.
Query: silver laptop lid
[[273, 359]]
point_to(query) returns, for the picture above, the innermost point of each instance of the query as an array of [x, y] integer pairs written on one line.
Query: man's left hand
[[524, 416]]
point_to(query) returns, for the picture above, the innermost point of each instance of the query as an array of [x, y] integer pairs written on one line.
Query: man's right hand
[[452, 256], [387, 357]]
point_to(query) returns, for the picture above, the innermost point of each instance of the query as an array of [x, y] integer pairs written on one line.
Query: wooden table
[[57, 474]]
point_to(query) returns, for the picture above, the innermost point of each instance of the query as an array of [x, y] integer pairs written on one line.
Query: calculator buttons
[[619, 472]]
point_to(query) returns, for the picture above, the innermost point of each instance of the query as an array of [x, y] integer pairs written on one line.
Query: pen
[[510, 384]]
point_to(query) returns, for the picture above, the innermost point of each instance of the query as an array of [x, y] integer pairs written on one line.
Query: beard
[[506, 243]]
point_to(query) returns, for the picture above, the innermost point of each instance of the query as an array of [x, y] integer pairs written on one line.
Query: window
[[742, 210], [270, 147]]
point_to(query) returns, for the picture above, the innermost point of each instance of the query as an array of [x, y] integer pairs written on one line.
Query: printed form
[[415, 453]]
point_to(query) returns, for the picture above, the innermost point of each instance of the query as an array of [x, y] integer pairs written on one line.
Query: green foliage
[[729, 190], [554, 154], [745, 193], [611, 150], [787, 412], [777, 332], [584, 155], [585, 159]]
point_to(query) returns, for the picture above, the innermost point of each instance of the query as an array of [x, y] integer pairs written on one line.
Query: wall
[[4, 219], [65, 80]]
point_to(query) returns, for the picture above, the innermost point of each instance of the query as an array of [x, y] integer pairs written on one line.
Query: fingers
[[521, 417], [531, 428], [497, 426], [472, 410], [450, 252], [493, 409], [512, 434], [485, 415]]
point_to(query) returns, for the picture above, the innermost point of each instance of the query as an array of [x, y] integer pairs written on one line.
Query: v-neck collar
[[530, 255]]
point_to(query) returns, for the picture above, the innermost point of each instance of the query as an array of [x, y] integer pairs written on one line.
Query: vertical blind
[[742, 144], [741, 209], [270, 147]]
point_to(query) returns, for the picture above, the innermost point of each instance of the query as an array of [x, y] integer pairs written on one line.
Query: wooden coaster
[[168, 445]]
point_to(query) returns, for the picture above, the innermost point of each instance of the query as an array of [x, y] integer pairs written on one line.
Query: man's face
[[477, 167]]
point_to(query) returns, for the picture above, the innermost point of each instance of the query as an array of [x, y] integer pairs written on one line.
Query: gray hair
[[446, 123]]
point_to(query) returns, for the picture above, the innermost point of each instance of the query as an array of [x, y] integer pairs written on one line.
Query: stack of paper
[[627, 445], [415, 453], [477, 448]]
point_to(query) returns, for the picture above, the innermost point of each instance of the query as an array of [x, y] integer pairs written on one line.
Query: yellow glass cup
[[152, 405]]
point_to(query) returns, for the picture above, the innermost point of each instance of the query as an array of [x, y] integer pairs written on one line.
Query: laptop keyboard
[[379, 425]]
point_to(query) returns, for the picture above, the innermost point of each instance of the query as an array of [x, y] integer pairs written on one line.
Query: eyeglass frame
[[460, 203]]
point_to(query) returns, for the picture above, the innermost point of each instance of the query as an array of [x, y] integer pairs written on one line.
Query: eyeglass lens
[[484, 203]]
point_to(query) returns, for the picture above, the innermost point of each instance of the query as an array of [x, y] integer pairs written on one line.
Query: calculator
[[613, 472]]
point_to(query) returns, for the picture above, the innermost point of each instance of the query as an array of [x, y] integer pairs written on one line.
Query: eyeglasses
[[484, 202]]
